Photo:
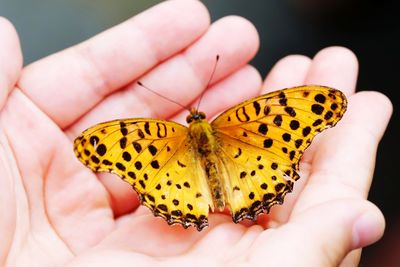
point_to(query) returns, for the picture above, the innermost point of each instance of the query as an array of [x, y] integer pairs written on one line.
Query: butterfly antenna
[[160, 95], [208, 83]]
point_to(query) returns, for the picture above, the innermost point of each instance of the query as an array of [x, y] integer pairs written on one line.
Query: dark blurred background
[[370, 28]]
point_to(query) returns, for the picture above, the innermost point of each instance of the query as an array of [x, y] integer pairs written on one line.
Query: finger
[[287, 72], [352, 259], [183, 77], [58, 197], [10, 59], [335, 67], [322, 235], [347, 156], [83, 75]]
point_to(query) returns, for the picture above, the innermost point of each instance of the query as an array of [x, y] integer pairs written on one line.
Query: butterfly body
[[206, 147], [246, 159]]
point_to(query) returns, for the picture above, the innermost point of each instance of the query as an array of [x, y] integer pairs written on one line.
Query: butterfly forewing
[[154, 156], [263, 140]]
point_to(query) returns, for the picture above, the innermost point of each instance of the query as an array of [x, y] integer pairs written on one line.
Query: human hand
[[57, 212]]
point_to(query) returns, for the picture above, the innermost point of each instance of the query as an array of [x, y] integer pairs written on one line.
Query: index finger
[[69, 83]]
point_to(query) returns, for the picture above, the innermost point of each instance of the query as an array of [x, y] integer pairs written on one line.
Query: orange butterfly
[[246, 159]]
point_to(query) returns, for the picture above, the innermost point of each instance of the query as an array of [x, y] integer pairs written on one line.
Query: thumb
[[322, 235]]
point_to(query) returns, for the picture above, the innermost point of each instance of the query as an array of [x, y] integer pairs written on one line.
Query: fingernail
[[367, 229]]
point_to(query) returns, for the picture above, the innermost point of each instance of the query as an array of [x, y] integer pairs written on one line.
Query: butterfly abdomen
[[206, 146]]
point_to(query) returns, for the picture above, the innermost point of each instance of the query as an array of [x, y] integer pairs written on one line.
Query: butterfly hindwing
[[256, 181]]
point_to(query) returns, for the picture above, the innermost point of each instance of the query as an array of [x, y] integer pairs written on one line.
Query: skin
[[57, 212]]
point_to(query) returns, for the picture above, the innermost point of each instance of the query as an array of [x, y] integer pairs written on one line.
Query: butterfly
[[246, 159]]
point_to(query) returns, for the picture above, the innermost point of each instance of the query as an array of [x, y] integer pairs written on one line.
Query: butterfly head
[[195, 115]]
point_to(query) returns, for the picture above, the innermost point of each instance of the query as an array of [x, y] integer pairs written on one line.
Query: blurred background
[[370, 28]]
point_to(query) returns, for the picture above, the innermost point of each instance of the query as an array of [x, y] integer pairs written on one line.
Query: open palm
[[57, 212]]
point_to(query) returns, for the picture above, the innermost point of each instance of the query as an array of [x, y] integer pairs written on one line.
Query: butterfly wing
[[154, 156], [263, 140]]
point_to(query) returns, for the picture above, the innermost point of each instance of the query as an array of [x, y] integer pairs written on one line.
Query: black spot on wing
[[268, 143], [147, 128], [317, 109], [290, 111], [241, 114], [282, 99], [181, 164], [162, 207], [298, 143], [94, 140], [267, 110], [107, 162], [138, 165], [320, 98], [155, 164], [120, 166], [122, 142], [292, 154], [152, 149], [286, 137], [137, 147], [317, 122], [124, 131], [263, 128], [126, 156], [274, 166], [294, 124], [95, 159], [306, 131], [87, 152], [257, 107], [278, 120], [328, 115], [140, 133], [161, 130], [141, 182], [238, 153], [264, 186], [101, 149]]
